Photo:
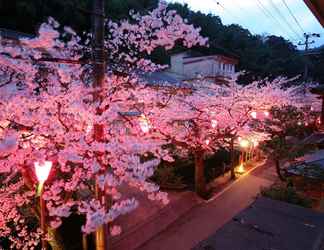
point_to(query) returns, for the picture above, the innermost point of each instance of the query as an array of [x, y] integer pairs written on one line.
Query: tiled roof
[[269, 225], [15, 35]]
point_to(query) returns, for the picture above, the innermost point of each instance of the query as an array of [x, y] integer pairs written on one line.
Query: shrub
[[165, 175], [287, 194]]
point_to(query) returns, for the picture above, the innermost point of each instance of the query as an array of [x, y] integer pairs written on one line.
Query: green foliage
[[286, 194], [166, 175], [182, 171]]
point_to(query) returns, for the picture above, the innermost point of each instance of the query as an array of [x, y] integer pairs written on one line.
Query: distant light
[[255, 143], [214, 123], [244, 143], [254, 114], [319, 120], [266, 113], [207, 141], [299, 123]]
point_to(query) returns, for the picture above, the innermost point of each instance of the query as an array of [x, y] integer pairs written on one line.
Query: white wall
[[203, 68], [210, 66]]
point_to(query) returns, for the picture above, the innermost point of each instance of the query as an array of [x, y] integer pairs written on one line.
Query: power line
[[293, 16], [227, 11], [269, 15], [277, 10]]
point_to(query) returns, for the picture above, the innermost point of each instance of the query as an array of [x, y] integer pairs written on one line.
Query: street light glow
[[214, 123], [240, 169], [244, 143], [266, 113], [254, 114], [144, 124]]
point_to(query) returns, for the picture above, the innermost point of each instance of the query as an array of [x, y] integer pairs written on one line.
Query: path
[[204, 220]]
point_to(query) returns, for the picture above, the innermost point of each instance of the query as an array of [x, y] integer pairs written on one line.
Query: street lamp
[[42, 170]]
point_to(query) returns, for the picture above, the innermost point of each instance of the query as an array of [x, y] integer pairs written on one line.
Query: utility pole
[[99, 66], [307, 43]]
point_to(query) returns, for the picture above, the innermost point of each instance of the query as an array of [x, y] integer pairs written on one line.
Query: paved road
[[204, 220]]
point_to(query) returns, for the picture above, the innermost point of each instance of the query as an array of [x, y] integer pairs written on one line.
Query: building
[[317, 7], [189, 66]]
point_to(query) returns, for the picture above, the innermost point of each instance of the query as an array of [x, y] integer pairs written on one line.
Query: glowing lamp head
[[299, 123], [144, 124], [42, 170], [207, 141], [254, 114], [214, 123], [244, 143]]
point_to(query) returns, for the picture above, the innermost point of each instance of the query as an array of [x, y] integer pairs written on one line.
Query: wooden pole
[[43, 220]]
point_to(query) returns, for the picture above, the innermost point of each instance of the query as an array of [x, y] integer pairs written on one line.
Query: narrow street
[[204, 220]]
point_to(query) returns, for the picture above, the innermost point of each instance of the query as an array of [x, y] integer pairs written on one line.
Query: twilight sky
[[264, 16]]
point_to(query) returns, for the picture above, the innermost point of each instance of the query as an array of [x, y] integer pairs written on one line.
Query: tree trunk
[[278, 170], [99, 75], [55, 241], [200, 183], [232, 160]]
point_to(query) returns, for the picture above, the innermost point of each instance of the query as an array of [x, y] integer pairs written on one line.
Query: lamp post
[[42, 170]]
